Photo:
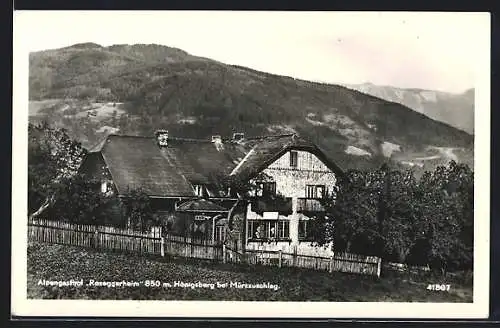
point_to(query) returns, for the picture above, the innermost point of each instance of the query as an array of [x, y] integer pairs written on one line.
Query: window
[[266, 189], [269, 189], [302, 229], [268, 229], [315, 191], [320, 191], [220, 233], [293, 159], [307, 228], [104, 187], [310, 191], [262, 230], [283, 229], [198, 190], [250, 229]]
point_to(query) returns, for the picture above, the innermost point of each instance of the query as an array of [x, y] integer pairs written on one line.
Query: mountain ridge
[[162, 87], [455, 109]]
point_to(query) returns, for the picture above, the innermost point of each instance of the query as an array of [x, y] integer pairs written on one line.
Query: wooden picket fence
[[154, 242], [341, 262], [103, 237], [192, 248]]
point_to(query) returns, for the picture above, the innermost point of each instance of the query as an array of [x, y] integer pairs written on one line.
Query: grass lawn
[[62, 263]]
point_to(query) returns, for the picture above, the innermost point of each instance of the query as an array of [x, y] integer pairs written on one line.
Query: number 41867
[[438, 287]]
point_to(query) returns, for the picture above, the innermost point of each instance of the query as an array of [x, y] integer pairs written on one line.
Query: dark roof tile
[[136, 162]]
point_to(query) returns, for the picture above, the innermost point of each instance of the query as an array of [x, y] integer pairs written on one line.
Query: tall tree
[[398, 229], [79, 200], [391, 214], [447, 210], [354, 212], [52, 157]]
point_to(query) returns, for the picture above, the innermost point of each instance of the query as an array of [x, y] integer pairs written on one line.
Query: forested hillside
[[93, 90]]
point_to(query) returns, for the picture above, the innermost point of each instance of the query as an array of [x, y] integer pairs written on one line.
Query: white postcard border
[[21, 306]]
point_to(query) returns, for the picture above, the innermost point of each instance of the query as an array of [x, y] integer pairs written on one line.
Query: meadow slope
[[57, 262]]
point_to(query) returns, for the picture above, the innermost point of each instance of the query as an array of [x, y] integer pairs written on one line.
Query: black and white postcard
[[251, 164]]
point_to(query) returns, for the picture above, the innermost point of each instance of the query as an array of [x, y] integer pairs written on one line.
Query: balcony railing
[[281, 205], [309, 205]]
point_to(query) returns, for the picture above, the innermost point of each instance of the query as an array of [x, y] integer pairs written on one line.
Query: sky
[[436, 51]]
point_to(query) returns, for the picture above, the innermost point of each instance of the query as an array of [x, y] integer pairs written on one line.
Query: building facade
[[298, 181], [271, 185]]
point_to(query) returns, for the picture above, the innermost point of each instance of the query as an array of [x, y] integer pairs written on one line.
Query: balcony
[[309, 205], [281, 205]]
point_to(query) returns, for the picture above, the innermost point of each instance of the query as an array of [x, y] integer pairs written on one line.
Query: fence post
[[331, 264], [379, 266], [162, 246], [294, 260], [280, 253], [191, 248], [223, 253], [96, 238]]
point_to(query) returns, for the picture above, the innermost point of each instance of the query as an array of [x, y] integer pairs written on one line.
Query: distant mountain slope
[[83, 64], [139, 88], [454, 109]]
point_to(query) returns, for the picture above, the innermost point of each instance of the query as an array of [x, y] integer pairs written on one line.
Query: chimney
[[161, 137], [217, 141], [238, 136]]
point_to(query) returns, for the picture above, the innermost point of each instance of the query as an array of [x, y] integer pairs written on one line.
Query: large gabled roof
[[138, 162], [268, 149], [201, 161]]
